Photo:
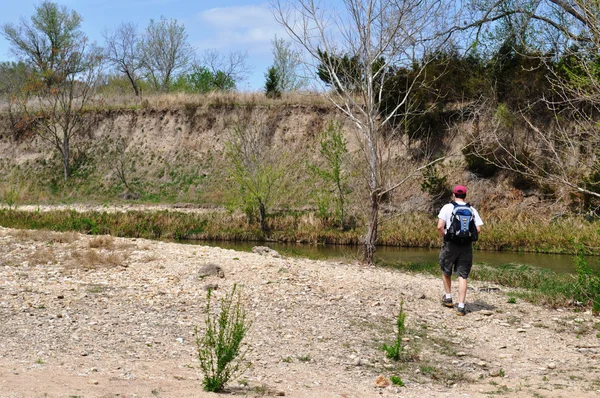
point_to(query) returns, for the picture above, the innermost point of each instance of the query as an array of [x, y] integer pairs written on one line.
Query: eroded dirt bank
[[110, 317]]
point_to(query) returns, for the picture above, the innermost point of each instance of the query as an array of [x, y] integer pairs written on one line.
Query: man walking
[[459, 225]]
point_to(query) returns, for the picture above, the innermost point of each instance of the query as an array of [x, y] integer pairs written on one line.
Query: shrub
[[220, 347], [435, 185], [397, 381], [477, 163]]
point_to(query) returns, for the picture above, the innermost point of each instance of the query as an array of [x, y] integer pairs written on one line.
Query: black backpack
[[462, 229]]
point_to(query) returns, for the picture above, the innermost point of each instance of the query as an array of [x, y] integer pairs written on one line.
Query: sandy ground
[[84, 316]]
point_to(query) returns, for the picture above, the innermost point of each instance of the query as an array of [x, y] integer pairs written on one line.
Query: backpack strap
[[456, 204]]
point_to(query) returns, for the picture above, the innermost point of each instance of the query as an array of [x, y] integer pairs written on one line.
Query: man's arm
[[441, 225]]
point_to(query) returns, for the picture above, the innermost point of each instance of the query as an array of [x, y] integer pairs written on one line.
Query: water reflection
[[556, 262]]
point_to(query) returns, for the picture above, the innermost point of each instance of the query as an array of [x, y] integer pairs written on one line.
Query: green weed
[[395, 350], [397, 381], [220, 347]]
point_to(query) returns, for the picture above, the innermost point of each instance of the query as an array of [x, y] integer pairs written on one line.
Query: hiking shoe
[[461, 311], [447, 302]]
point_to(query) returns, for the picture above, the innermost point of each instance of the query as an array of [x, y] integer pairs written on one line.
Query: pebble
[[551, 365], [461, 354]]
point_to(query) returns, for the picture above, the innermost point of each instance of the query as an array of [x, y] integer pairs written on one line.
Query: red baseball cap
[[460, 189]]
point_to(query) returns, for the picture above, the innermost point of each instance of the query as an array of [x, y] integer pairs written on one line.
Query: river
[[556, 262]]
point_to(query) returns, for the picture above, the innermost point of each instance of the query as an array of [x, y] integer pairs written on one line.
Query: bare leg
[[447, 283], [462, 290]]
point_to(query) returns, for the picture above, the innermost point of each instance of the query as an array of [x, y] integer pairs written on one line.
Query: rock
[[280, 393], [521, 330], [210, 286], [461, 354], [265, 251], [482, 364], [92, 381], [489, 289], [382, 381], [486, 312], [211, 269], [551, 365]]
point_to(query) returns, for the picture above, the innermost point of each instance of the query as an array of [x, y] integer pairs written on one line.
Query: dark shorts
[[456, 258]]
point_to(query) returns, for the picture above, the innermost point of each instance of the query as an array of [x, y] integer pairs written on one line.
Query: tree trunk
[[371, 236], [263, 217], [133, 84], [65, 155]]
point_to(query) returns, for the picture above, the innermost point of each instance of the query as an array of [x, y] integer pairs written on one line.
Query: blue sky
[[225, 25]]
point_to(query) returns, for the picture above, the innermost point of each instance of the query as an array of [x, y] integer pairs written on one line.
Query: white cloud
[[250, 27]]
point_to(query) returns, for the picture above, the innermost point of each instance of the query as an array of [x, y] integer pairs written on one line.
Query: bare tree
[[124, 52], [61, 107], [166, 51], [233, 66], [376, 36], [287, 61]]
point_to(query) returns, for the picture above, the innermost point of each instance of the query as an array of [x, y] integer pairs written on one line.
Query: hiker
[[459, 225]]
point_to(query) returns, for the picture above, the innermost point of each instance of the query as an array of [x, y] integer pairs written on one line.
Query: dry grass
[[44, 236], [104, 242], [93, 259], [42, 256], [179, 100]]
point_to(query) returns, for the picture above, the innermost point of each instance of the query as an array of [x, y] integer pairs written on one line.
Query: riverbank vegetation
[[537, 285], [506, 232]]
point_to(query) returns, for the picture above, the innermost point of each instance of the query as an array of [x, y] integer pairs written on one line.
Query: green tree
[[257, 170], [287, 61], [333, 150], [65, 70], [273, 83], [50, 43], [201, 80], [226, 68]]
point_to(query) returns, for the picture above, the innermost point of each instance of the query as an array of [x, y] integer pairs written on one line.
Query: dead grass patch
[[104, 242], [180, 100], [44, 236], [92, 259], [42, 256]]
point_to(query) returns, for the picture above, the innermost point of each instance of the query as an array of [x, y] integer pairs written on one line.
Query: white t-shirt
[[446, 214]]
